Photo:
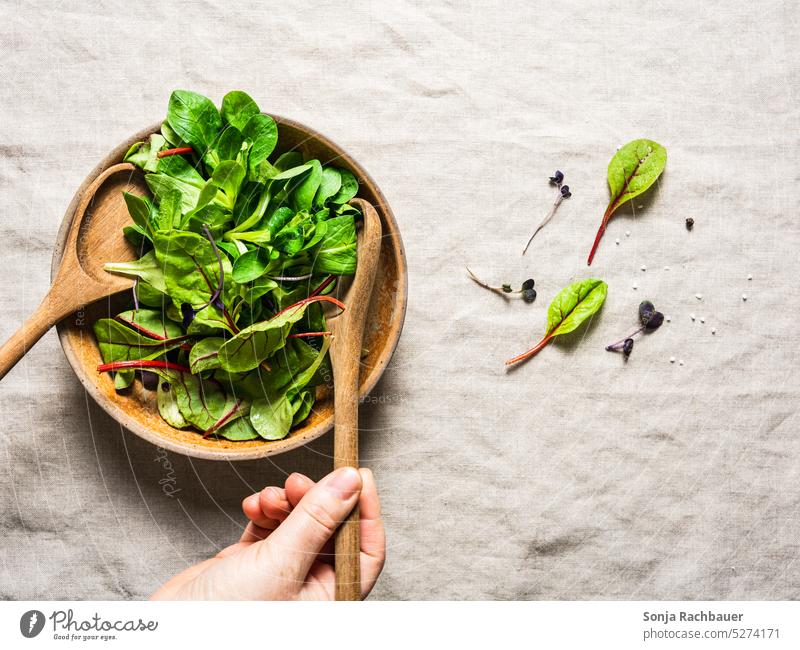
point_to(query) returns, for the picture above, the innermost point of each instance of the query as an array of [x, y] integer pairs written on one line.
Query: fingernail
[[301, 477], [344, 483], [251, 501], [274, 494]]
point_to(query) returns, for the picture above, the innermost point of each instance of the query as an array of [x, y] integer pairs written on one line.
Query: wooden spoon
[[348, 331], [97, 226]]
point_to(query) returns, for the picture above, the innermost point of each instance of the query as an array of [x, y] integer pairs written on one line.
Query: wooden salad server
[[348, 331], [95, 237]]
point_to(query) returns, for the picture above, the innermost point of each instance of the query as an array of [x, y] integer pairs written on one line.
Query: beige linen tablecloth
[[575, 476]]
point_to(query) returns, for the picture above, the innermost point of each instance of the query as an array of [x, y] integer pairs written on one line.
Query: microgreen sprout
[[563, 193], [650, 319], [526, 291], [689, 223]]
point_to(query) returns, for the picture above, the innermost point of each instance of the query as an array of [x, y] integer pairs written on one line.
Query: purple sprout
[[650, 319]]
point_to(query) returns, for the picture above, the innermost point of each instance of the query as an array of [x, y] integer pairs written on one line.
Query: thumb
[[298, 540]]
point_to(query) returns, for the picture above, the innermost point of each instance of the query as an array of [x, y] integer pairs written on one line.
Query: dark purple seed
[[646, 311], [149, 380], [529, 295], [627, 347], [528, 284], [557, 177], [655, 321], [188, 314]]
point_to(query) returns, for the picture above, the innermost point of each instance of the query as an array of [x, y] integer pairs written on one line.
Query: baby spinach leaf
[[237, 109], [250, 207], [329, 186], [272, 419], [180, 169], [253, 236], [279, 219], [251, 265], [301, 406], [288, 160], [137, 236], [212, 215], [162, 184], [262, 132], [150, 296], [348, 189], [291, 173], [194, 119], [168, 214], [346, 208], [632, 170], [571, 307], [230, 248], [337, 253], [306, 190], [227, 147], [290, 240], [237, 430], [258, 288], [172, 139], [139, 207], [223, 186]]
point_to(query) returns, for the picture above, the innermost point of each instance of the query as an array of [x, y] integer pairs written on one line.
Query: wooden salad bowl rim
[[382, 333]]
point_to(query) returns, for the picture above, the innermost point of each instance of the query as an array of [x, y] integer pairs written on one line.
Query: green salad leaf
[[194, 119], [571, 307], [632, 170], [235, 236]]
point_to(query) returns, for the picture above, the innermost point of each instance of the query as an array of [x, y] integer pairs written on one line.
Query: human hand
[[285, 553]]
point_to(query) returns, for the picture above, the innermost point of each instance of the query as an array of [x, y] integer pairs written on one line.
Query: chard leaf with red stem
[[571, 307], [632, 170]]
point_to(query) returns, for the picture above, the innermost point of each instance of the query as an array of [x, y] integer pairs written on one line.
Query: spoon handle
[[345, 454], [46, 315], [348, 332]]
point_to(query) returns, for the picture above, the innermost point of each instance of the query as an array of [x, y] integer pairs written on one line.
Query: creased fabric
[[576, 476]]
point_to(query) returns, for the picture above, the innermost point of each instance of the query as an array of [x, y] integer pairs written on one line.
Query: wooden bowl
[[136, 407]]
